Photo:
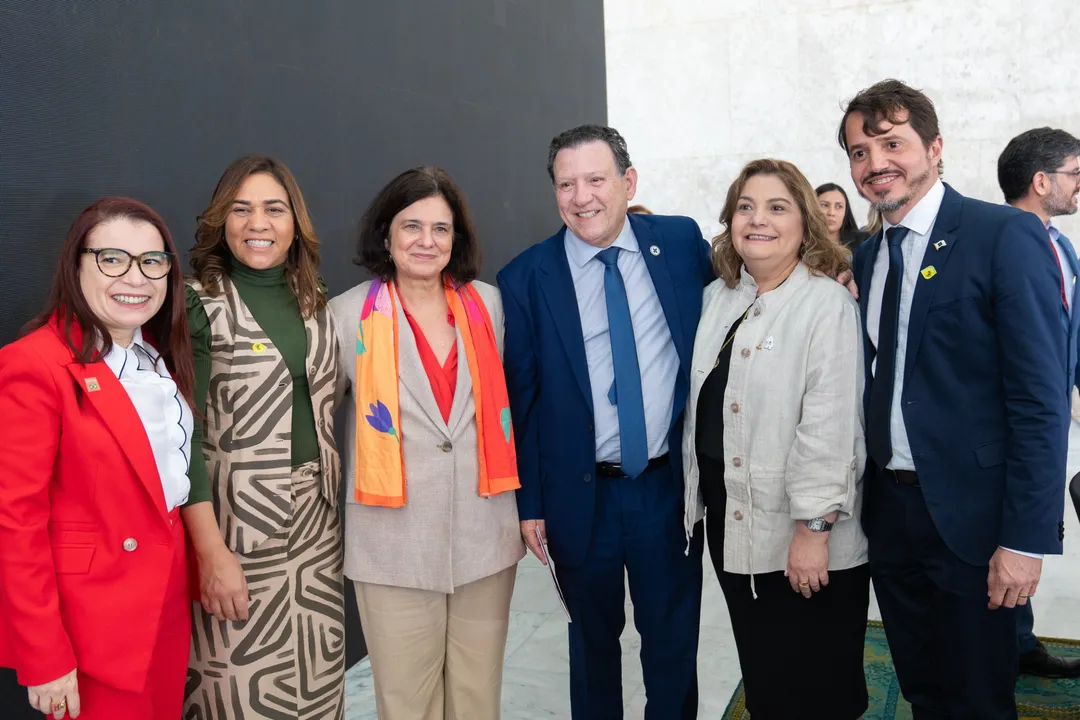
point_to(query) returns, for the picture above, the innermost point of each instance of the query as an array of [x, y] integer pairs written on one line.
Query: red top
[[443, 378]]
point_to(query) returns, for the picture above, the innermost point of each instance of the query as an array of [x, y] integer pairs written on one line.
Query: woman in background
[[269, 638], [839, 219], [774, 439], [432, 538], [96, 403]]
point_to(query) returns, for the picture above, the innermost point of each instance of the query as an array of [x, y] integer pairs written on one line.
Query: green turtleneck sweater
[[273, 305]]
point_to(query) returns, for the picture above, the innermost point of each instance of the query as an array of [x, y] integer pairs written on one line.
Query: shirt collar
[[1051, 228], [582, 252], [117, 357], [921, 218]]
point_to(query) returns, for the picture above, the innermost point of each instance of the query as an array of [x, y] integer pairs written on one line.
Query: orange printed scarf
[[380, 465]]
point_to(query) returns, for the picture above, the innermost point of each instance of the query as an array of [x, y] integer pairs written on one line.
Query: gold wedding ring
[[804, 584], [58, 706]]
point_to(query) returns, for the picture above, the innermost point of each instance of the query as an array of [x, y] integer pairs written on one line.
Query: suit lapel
[[557, 288], [412, 376], [97, 383], [1074, 315], [463, 390], [652, 249], [936, 255]]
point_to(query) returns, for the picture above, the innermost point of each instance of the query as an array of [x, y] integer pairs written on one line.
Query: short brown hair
[[211, 255], [407, 188], [817, 250], [888, 101], [639, 210]]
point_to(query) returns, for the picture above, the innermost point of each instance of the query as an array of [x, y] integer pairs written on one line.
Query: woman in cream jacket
[[774, 441]]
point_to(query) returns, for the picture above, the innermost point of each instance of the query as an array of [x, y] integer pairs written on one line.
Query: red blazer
[[86, 544]]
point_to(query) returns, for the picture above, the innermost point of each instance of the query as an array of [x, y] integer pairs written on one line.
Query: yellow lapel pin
[[929, 272], [259, 347], [92, 384]]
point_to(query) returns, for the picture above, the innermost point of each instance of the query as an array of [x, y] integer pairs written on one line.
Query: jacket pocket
[[74, 560], [768, 493], [990, 454]]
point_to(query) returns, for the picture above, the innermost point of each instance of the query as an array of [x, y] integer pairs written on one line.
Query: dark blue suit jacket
[[1072, 322], [986, 382], [547, 375]]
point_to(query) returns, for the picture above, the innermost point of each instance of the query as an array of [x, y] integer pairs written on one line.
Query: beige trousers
[[436, 656]]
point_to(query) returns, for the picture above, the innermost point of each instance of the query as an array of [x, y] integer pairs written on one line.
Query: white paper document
[[551, 568]]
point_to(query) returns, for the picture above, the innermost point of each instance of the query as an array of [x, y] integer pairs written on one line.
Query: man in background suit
[[600, 323], [966, 410], [1038, 172]]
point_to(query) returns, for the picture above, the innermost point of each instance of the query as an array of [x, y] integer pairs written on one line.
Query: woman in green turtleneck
[[262, 512]]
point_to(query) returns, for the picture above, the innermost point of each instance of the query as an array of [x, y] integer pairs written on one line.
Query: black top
[[709, 432]]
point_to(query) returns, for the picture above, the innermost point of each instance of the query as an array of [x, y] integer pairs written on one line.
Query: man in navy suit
[[600, 323], [967, 412], [1038, 172]]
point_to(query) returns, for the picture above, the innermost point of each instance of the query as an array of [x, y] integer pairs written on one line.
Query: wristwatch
[[818, 525]]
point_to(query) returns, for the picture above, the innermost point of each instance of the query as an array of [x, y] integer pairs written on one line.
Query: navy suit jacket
[[1073, 322], [986, 381], [547, 375]]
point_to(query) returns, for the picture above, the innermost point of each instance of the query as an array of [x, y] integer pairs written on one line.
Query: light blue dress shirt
[[658, 360]]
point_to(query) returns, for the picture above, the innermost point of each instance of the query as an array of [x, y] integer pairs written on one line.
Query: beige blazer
[[446, 535], [793, 425]]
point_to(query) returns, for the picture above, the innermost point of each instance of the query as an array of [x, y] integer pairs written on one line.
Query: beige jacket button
[[446, 447], [130, 545], [734, 407], [738, 515], [746, 352], [737, 462]]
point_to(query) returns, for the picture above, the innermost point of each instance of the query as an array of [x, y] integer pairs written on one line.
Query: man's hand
[[1013, 578], [847, 279], [528, 532]]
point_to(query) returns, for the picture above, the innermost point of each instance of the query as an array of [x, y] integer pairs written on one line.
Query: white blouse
[[165, 414]]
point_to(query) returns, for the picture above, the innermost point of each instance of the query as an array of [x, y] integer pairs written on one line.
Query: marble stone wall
[[700, 87]]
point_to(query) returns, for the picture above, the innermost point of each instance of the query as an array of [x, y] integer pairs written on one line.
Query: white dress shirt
[[920, 223], [165, 414], [658, 361]]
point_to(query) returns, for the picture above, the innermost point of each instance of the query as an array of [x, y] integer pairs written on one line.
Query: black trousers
[[800, 658], [955, 658]]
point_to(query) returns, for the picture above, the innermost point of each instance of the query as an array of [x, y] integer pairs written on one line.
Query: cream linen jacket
[[446, 535], [793, 425]]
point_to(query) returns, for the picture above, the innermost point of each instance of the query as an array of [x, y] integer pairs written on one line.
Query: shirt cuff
[[1037, 556]]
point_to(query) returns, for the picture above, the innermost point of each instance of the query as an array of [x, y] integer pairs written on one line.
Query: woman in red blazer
[[95, 401]]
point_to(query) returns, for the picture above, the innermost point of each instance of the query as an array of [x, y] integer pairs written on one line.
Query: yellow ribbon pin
[[929, 272], [260, 348]]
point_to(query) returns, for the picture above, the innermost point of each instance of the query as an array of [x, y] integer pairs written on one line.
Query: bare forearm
[[202, 527]]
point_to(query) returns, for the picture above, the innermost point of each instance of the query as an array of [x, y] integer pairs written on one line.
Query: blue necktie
[[632, 436], [879, 416]]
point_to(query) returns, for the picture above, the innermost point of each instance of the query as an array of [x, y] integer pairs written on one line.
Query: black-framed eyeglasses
[[1072, 173], [115, 262]]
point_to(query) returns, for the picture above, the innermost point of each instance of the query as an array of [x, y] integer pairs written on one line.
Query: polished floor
[[536, 681]]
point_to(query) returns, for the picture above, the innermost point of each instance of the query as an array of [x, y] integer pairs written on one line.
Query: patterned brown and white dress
[[287, 660]]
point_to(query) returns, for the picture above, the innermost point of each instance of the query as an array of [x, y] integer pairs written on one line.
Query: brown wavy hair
[[817, 251], [211, 256], [83, 332]]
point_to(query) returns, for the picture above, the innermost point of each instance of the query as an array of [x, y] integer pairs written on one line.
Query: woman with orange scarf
[[431, 529]]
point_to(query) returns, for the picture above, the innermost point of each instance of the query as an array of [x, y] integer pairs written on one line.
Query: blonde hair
[[817, 251]]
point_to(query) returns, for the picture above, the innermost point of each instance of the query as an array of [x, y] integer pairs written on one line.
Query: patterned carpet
[[1036, 698]]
